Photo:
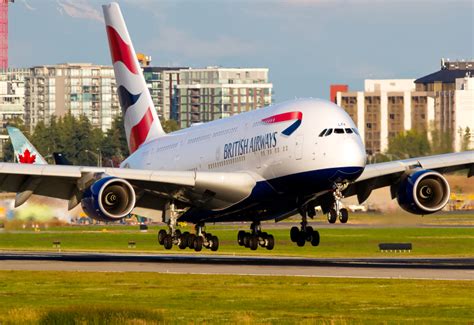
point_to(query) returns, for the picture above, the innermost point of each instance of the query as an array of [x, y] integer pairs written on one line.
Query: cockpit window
[[355, 131], [338, 131], [322, 132], [328, 132], [348, 130]]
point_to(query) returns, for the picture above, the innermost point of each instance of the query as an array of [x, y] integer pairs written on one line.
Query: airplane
[[26, 153], [266, 164]]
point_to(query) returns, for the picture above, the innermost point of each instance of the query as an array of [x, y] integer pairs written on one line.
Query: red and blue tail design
[[140, 118], [284, 117]]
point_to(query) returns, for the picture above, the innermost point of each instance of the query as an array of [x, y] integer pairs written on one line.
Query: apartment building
[[442, 101], [76, 88], [214, 93]]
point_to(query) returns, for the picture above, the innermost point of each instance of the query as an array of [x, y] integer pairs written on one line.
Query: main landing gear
[[255, 238], [336, 211], [185, 240], [304, 234]]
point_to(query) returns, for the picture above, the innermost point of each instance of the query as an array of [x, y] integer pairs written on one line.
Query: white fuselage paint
[[202, 147]]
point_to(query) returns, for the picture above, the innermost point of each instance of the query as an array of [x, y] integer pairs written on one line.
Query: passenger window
[[328, 132], [322, 132], [348, 131], [339, 131]]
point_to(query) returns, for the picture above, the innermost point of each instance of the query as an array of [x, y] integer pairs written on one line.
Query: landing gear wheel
[[183, 240], [191, 239], [240, 237], [246, 240], [332, 216], [294, 233], [270, 242], [301, 239], [214, 243], [253, 242], [198, 241], [161, 236], [343, 215], [315, 238], [168, 242]]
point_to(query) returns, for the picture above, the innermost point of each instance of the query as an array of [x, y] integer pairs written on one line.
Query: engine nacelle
[[109, 199], [423, 192]]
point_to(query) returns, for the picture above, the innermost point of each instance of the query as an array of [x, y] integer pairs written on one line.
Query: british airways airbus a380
[[266, 164]]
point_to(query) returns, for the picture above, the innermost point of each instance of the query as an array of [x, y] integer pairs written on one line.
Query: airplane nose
[[353, 152]]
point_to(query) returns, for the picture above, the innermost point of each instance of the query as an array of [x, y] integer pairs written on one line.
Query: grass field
[[142, 298], [335, 242]]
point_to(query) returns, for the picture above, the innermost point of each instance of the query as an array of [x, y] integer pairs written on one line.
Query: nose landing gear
[[336, 211]]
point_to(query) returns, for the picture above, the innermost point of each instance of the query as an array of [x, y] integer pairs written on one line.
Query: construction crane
[[4, 33]]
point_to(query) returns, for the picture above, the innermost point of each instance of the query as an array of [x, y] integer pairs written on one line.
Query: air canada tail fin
[[139, 114], [25, 152]]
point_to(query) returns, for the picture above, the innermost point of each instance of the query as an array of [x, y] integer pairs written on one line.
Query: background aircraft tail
[[140, 118], [25, 152]]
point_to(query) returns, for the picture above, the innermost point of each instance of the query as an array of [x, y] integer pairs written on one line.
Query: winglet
[[25, 152]]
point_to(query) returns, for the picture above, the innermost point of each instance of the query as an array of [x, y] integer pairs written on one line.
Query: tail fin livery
[[139, 114], [25, 152]]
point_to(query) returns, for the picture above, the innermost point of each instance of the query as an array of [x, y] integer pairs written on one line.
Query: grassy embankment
[[142, 298], [337, 241]]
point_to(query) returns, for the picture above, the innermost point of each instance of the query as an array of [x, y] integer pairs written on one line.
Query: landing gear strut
[[255, 238], [336, 211], [183, 240], [305, 233]]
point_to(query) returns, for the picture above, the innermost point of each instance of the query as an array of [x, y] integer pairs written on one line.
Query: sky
[[306, 44]]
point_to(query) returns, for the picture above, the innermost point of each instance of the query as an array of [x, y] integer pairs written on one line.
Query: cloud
[[180, 42], [27, 6], [81, 9]]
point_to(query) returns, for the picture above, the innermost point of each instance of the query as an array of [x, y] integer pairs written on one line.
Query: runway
[[383, 268]]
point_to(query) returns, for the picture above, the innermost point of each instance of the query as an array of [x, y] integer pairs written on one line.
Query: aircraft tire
[[168, 242], [344, 215], [246, 240], [332, 216], [161, 236], [215, 243], [183, 241], [253, 242], [315, 238], [198, 241], [301, 239], [240, 237], [294, 233], [191, 238], [270, 242]]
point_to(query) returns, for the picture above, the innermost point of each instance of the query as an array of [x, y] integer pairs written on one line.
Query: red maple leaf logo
[[27, 157]]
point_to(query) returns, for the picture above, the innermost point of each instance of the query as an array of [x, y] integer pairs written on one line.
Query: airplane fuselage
[[282, 146]]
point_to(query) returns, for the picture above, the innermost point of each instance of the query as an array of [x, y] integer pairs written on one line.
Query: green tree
[[114, 144], [465, 138], [409, 144], [169, 125]]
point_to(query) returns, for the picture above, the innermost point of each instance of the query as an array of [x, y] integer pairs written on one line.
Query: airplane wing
[[389, 173], [213, 190]]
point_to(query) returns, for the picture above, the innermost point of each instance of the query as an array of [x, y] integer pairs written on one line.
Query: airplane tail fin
[[24, 151], [139, 114]]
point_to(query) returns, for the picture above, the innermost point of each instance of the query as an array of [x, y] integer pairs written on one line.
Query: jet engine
[[109, 199], [423, 192]]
